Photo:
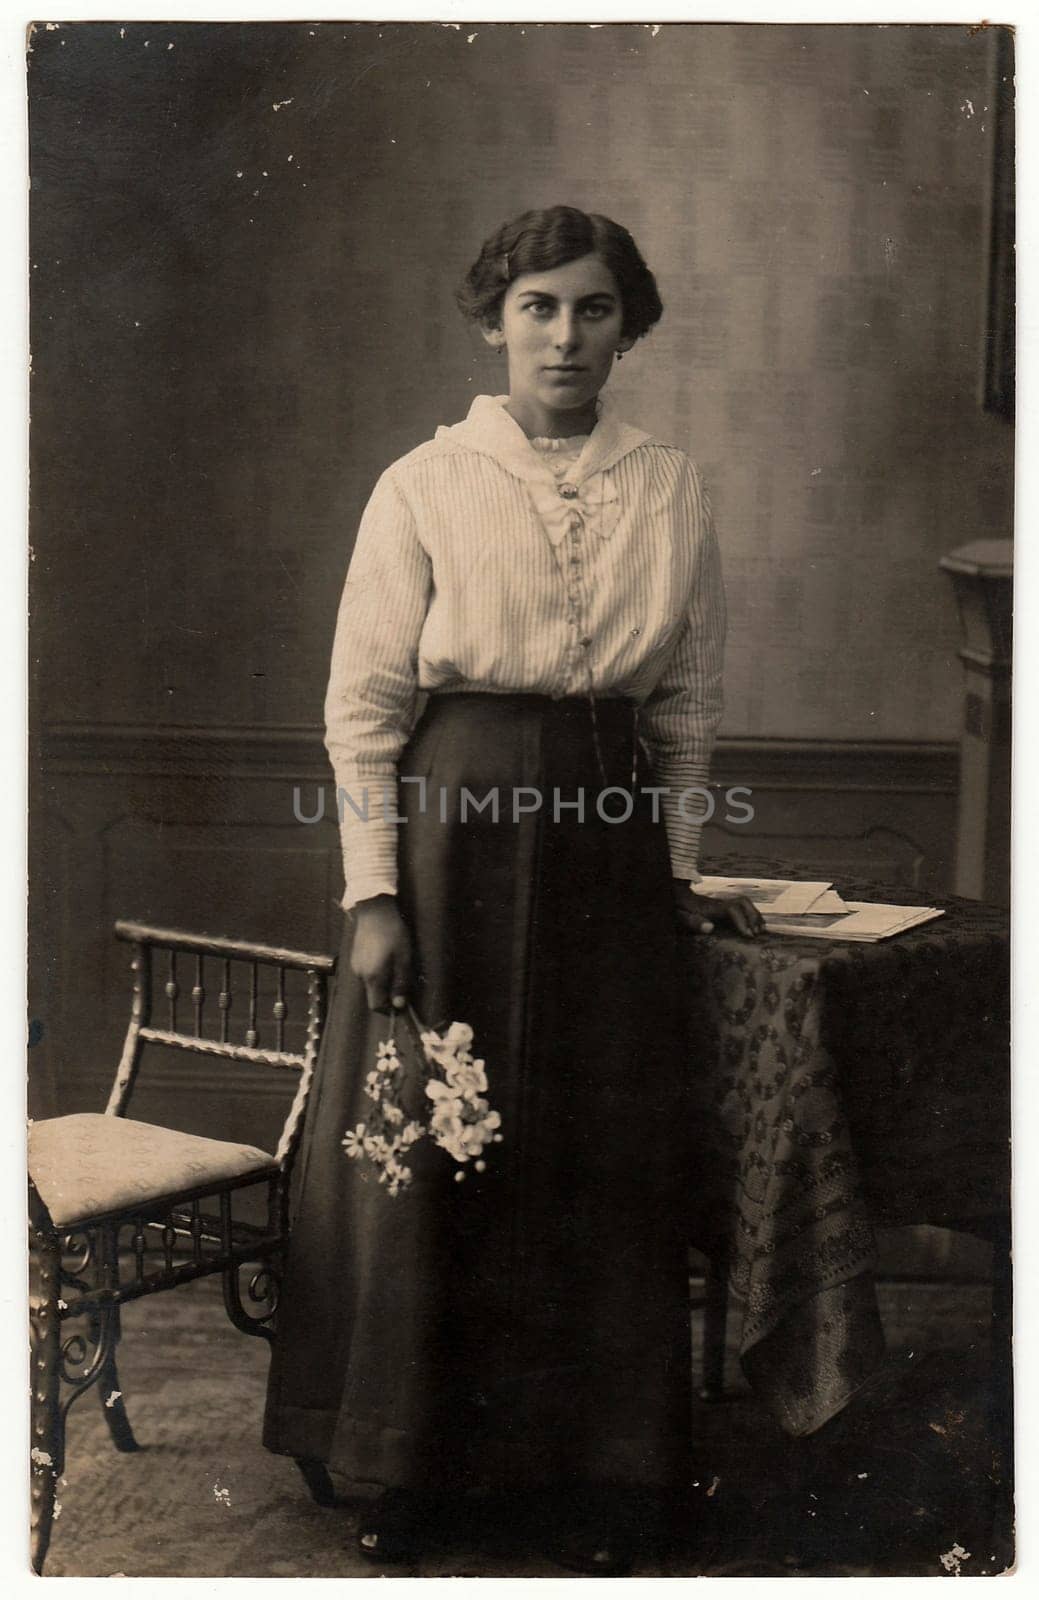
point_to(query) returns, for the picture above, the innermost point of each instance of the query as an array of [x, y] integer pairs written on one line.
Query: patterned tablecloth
[[838, 1088]]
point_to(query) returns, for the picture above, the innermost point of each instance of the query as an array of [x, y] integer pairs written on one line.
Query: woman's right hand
[[381, 954]]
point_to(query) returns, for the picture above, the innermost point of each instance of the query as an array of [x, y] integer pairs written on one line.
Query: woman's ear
[[494, 335], [624, 343]]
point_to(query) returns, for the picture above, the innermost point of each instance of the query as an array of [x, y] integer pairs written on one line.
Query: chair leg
[[111, 1396], [48, 1431], [716, 1300]]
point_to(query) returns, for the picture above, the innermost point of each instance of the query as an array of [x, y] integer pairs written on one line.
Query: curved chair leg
[[112, 1398], [48, 1431], [317, 1479]]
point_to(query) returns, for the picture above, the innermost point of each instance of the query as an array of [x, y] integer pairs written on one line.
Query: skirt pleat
[[529, 1324]]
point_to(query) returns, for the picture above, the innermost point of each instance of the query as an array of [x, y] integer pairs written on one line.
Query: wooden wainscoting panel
[[848, 810], [194, 828], [201, 827]]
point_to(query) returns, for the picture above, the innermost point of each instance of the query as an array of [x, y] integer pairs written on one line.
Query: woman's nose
[[566, 331]]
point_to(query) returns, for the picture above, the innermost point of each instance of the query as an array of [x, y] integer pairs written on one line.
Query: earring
[[620, 355]]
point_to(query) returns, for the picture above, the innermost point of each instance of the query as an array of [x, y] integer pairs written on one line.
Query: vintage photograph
[[519, 774]]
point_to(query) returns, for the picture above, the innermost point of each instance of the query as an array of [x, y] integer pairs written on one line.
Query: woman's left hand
[[702, 913]]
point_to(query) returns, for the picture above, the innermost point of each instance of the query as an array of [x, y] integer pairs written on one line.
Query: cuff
[[366, 887]]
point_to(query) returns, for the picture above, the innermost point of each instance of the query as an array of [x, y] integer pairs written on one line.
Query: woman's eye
[[544, 309]]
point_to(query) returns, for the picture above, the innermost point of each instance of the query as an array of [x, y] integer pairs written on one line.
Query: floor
[[916, 1486]]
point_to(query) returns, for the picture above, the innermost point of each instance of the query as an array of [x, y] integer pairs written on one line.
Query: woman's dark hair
[[537, 241]]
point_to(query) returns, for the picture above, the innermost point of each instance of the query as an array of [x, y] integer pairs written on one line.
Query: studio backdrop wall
[[244, 242]]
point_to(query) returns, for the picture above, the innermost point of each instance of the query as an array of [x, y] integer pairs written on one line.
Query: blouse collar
[[490, 430]]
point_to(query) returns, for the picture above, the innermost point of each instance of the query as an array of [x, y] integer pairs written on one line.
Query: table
[[838, 1088]]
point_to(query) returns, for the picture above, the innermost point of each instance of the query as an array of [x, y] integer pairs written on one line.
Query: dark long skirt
[[529, 1324]]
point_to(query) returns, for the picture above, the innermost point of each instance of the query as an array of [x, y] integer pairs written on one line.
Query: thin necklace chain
[[590, 695]]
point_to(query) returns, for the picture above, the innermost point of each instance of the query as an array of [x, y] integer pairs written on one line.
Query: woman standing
[[549, 577]]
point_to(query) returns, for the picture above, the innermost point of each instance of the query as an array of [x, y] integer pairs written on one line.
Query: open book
[[771, 895], [816, 910], [861, 920]]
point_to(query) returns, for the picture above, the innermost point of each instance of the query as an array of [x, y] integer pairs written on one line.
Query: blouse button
[[576, 522], [568, 491]]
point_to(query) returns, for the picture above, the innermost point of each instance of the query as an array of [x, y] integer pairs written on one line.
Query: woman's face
[[561, 329]]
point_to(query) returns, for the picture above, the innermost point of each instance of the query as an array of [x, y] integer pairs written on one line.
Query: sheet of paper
[[772, 895], [861, 922], [828, 901]]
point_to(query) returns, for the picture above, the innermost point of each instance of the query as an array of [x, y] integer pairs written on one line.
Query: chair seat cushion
[[88, 1165]]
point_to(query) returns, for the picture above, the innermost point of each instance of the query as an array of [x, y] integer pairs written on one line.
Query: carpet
[[914, 1484]]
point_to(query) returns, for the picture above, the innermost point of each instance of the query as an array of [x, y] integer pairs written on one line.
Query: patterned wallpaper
[[244, 243]]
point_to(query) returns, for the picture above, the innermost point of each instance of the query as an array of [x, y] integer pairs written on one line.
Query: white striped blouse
[[475, 568]]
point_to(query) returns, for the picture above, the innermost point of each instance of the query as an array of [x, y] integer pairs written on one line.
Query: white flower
[[444, 1098], [444, 1049], [453, 1147], [460, 1119], [448, 1114], [459, 1036], [474, 1139], [448, 1132], [353, 1143], [386, 1057], [468, 1078], [395, 1176]]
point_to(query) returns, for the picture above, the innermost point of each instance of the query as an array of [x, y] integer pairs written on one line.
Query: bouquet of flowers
[[455, 1114]]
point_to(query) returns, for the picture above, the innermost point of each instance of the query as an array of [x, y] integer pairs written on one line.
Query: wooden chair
[[117, 1208]]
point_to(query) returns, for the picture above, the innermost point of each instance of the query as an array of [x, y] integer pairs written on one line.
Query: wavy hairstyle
[[537, 241]]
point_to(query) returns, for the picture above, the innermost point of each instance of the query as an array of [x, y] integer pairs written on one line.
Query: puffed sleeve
[[373, 684], [680, 716]]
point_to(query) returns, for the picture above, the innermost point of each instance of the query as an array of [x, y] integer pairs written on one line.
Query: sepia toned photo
[[519, 841]]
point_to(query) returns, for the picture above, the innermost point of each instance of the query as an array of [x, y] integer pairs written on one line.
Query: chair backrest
[[261, 969]]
